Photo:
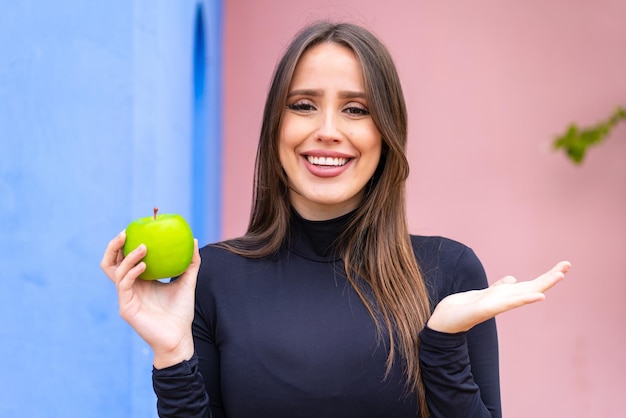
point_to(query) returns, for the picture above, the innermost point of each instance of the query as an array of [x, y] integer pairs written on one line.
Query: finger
[[130, 261], [512, 297], [191, 273], [549, 279], [505, 280], [111, 253], [126, 293], [518, 301], [129, 279], [195, 261]]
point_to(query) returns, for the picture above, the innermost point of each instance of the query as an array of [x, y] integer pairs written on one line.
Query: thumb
[[505, 280], [191, 274], [562, 267]]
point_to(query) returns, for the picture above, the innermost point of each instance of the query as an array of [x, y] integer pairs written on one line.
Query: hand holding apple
[[169, 242], [161, 313]]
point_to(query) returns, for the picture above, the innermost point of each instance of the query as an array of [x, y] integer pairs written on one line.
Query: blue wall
[[99, 116]]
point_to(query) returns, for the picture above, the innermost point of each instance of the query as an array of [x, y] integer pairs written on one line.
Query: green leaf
[[576, 141]]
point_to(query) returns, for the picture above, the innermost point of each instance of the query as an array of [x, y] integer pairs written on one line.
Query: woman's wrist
[[182, 352]]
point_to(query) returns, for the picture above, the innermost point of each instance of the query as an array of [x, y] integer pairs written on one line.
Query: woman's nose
[[328, 130]]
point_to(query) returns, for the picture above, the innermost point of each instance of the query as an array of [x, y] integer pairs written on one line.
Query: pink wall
[[488, 86]]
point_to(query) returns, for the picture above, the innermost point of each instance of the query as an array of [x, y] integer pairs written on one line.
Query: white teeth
[[327, 161]]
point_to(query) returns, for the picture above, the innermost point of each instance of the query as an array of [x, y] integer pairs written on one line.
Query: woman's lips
[[327, 161], [326, 166]]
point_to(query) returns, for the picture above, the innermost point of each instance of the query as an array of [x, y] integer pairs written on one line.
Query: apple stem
[[155, 212]]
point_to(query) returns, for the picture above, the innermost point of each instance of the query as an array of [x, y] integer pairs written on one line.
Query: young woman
[[326, 307]]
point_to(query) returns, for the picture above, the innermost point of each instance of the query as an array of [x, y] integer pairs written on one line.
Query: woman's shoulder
[[214, 249], [214, 253], [219, 256], [224, 259], [429, 249], [448, 266]]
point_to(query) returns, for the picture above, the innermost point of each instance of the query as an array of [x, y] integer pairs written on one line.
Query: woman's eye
[[356, 111], [301, 107]]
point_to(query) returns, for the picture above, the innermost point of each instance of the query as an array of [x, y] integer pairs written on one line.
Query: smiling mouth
[[327, 161]]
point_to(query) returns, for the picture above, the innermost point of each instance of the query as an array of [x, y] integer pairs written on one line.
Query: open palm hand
[[461, 311]]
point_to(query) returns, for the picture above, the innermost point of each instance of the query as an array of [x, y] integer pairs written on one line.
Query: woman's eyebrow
[[344, 94], [305, 92], [347, 94]]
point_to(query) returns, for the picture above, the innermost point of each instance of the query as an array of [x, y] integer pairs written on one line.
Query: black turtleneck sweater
[[287, 337]]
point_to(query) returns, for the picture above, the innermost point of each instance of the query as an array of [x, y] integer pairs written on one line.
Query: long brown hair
[[375, 246]]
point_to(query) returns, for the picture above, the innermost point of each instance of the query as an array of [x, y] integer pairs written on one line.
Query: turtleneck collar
[[316, 240]]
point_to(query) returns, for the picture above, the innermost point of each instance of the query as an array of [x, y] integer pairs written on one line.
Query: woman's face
[[329, 146]]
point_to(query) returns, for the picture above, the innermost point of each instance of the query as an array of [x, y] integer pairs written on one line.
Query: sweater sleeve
[[180, 390], [461, 371], [183, 391]]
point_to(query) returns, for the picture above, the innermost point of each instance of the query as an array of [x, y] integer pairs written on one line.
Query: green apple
[[169, 241]]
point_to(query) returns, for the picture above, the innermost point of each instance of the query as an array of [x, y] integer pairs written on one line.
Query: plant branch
[[575, 141]]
